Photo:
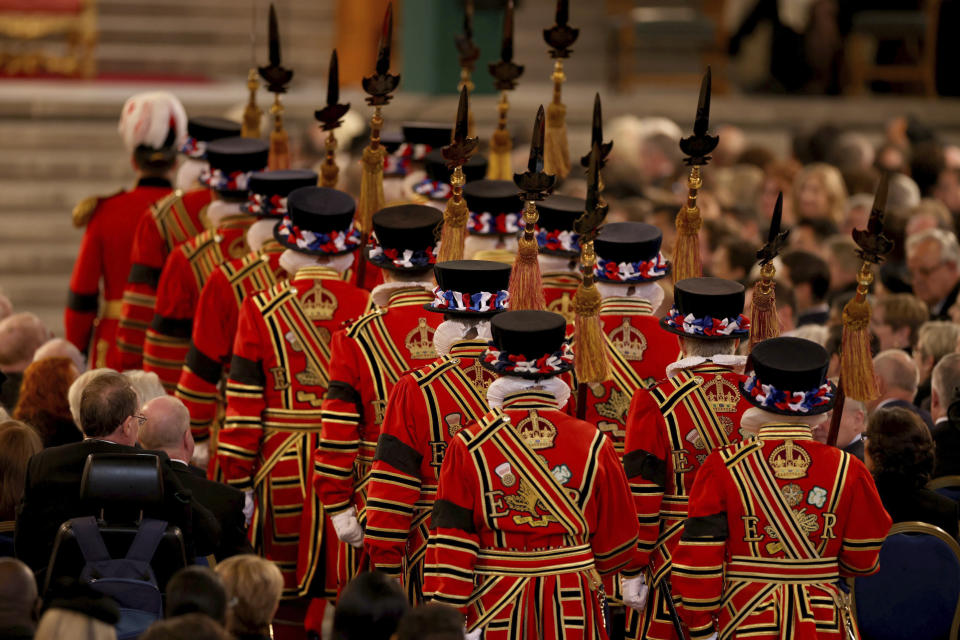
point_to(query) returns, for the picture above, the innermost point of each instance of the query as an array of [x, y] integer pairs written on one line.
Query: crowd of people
[[367, 442]]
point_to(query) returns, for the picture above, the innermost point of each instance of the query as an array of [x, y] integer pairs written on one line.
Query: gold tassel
[[252, 113], [329, 171], [526, 283], [455, 215], [279, 140], [498, 164], [371, 178], [556, 159], [686, 252], [590, 353], [856, 361], [764, 321]]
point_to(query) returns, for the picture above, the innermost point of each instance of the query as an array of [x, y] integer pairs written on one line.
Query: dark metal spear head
[[466, 47], [596, 136], [874, 245], [504, 71], [561, 36], [330, 116], [534, 183], [458, 152], [382, 83], [276, 77], [700, 144], [776, 239], [595, 210]]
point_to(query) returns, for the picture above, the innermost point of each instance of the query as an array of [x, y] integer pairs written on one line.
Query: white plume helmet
[[147, 119]]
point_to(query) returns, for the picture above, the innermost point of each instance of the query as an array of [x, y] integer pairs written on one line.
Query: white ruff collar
[[220, 209], [382, 292], [721, 359], [500, 388]]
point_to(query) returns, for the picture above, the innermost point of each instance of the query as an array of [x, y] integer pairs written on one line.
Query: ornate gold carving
[[526, 500], [722, 395], [536, 432], [616, 407], [789, 461], [479, 377], [419, 341], [629, 341], [319, 303]]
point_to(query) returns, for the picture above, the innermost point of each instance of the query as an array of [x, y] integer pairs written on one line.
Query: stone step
[[19, 230], [27, 135], [69, 163], [29, 196], [39, 258]]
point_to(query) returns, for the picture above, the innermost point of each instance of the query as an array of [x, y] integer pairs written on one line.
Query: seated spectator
[[852, 425], [60, 348], [896, 318], [192, 626], [431, 621], [899, 452], [79, 613], [903, 194], [19, 603], [857, 213], [733, 259], [934, 341], [76, 391], [810, 234], [897, 380], [110, 420], [809, 275], [146, 384], [43, 401], [844, 263], [933, 258], [167, 429], [253, 588], [196, 589], [370, 608], [20, 336], [928, 214], [944, 394], [18, 442], [819, 193], [813, 332]]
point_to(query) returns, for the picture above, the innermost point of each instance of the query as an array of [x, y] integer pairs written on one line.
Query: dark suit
[[818, 317], [52, 496], [224, 502], [10, 389], [943, 313], [906, 503], [855, 449], [902, 404], [946, 435]]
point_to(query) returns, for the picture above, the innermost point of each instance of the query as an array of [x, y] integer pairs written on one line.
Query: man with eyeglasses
[[933, 258], [110, 420]]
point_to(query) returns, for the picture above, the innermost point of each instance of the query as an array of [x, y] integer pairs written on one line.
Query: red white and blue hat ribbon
[[559, 240], [398, 162], [516, 364], [195, 149], [326, 242], [433, 189], [708, 326], [487, 223], [766, 395], [629, 272], [220, 181], [449, 300], [263, 206], [403, 259]]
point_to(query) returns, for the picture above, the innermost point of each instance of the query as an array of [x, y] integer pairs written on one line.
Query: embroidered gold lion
[[526, 500]]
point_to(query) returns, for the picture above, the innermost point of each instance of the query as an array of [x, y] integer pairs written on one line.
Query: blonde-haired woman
[[819, 192], [253, 589], [58, 623]]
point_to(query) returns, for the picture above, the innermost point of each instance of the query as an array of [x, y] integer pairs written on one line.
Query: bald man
[[897, 380], [20, 336], [19, 604], [167, 429]]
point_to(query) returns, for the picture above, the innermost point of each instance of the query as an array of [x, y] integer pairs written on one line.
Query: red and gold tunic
[[774, 522], [167, 224], [278, 377], [367, 361], [530, 511], [104, 255], [214, 329], [426, 409], [186, 271], [639, 351], [671, 429], [558, 290]]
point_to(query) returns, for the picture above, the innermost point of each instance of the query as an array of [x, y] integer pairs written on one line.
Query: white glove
[[247, 507], [348, 527], [201, 455], [635, 592], [476, 634], [713, 636]]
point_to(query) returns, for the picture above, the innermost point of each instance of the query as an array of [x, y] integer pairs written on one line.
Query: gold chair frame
[[79, 29]]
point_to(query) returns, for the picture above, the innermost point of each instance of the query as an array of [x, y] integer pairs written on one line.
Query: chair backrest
[[916, 592], [122, 480]]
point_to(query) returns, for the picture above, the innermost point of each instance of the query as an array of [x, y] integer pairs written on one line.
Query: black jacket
[[946, 436], [224, 502], [855, 449], [906, 503], [944, 311], [52, 496], [902, 404]]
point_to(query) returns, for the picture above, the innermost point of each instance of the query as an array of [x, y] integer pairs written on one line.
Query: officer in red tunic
[[776, 520], [152, 125], [559, 251], [232, 161], [215, 322], [672, 427], [426, 409], [532, 505], [496, 218], [279, 374], [167, 224], [367, 361]]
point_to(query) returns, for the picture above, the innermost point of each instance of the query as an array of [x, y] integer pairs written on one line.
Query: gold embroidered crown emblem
[[319, 303], [616, 407], [629, 341], [722, 395], [789, 461], [564, 306], [419, 341], [537, 432]]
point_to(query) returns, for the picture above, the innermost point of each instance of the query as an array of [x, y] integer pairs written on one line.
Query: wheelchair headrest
[[124, 480]]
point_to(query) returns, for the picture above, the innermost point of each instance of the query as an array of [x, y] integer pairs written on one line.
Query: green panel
[[430, 62]]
